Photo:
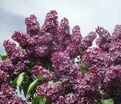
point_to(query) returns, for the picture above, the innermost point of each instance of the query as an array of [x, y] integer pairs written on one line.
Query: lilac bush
[[43, 68]]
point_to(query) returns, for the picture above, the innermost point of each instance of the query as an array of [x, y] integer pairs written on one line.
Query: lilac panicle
[[15, 53], [96, 57], [104, 39], [60, 61], [17, 57], [8, 95], [76, 34], [3, 76], [23, 39], [86, 42], [9, 47], [41, 50], [33, 26], [112, 83], [117, 33], [51, 23], [72, 49], [64, 32]]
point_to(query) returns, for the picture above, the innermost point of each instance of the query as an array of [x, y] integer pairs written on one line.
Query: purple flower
[[104, 39], [112, 83], [86, 42], [33, 26], [76, 35], [23, 39], [44, 73], [4, 77], [51, 23], [96, 57], [17, 100]]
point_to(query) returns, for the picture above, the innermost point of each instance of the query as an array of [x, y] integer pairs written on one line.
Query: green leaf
[[25, 85], [37, 99], [20, 79], [47, 101], [49, 66], [84, 69], [3, 57], [32, 86], [14, 83], [31, 64], [107, 101], [40, 100], [40, 77]]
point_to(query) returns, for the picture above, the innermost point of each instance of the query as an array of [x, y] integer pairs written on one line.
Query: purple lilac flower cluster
[[7, 93], [52, 49]]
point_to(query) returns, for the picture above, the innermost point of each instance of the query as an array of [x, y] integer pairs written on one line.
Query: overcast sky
[[86, 13]]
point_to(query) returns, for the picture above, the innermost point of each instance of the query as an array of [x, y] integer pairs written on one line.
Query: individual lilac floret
[[112, 83], [33, 26]]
